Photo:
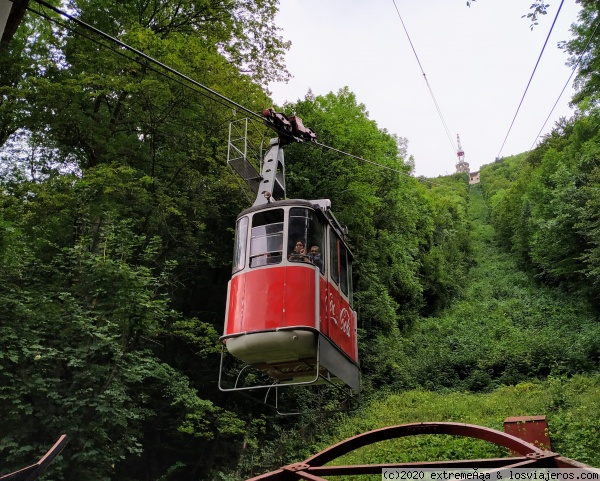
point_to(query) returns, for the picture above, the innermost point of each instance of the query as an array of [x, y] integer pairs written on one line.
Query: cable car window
[[350, 289], [300, 235], [266, 241], [241, 239], [333, 258], [315, 249], [343, 270], [305, 237]]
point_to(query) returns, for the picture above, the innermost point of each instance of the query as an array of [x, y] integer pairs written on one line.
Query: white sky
[[477, 60]]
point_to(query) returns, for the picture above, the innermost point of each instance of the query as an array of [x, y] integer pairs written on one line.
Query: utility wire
[[553, 107], [530, 78], [381, 166], [327, 147], [566, 83], [362, 159], [219, 97], [454, 149]]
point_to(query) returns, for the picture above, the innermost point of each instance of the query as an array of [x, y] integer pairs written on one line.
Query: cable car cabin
[[289, 302]]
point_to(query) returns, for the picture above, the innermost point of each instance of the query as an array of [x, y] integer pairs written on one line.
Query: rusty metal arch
[[312, 468], [34, 471]]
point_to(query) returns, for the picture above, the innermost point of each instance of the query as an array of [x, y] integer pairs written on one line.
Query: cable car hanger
[[272, 177]]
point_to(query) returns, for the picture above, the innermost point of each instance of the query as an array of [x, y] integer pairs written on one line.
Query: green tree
[[79, 327], [537, 8], [116, 237], [584, 50]]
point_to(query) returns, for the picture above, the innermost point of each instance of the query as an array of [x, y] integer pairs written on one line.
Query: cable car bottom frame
[[318, 362]]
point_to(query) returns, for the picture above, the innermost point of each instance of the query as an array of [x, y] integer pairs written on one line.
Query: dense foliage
[[501, 332], [520, 347], [584, 49], [545, 205], [116, 229]]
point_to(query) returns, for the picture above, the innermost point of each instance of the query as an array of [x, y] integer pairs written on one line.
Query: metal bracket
[[272, 185], [294, 468]]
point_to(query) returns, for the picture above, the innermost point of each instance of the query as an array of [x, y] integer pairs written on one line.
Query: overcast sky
[[477, 60]]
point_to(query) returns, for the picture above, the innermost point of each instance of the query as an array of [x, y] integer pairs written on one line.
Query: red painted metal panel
[[271, 298], [300, 299], [323, 306], [340, 322], [276, 297], [235, 304]]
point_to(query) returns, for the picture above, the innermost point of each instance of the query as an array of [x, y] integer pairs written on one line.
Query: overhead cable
[[426, 81], [530, 78], [215, 96]]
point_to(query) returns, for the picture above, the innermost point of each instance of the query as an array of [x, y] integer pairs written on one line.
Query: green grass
[[572, 407]]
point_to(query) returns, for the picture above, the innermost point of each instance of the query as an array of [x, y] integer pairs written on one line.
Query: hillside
[[520, 345], [506, 329]]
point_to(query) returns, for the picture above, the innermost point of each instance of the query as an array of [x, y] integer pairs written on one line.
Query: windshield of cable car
[[266, 240], [305, 238]]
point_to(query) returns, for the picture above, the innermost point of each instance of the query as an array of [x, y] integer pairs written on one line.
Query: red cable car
[[289, 302]]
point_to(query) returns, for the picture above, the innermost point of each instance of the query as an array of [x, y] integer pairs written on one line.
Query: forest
[[117, 217]]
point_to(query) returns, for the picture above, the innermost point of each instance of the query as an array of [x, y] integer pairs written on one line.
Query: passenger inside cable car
[[315, 256], [299, 253]]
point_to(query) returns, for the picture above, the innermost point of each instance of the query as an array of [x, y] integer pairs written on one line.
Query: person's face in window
[[299, 247], [314, 250]]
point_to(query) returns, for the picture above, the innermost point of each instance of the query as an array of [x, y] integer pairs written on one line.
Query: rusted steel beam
[[35, 470], [377, 468], [455, 429], [277, 475], [307, 476], [562, 462], [531, 456], [312, 468]]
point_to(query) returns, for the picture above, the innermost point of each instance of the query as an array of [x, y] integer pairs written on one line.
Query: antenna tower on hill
[[462, 166]]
